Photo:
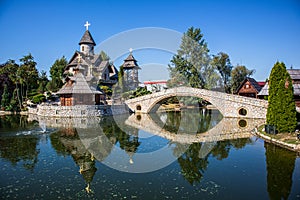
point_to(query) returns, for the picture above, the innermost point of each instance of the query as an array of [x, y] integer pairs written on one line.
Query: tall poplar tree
[[281, 109]]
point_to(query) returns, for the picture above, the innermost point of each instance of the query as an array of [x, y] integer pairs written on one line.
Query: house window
[[247, 86]]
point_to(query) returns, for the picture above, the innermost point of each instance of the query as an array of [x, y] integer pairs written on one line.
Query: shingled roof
[[79, 86], [294, 73], [265, 90], [295, 76], [87, 38], [130, 62], [253, 82]]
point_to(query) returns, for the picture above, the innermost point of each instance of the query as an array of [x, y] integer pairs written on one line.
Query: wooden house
[[295, 76], [249, 88]]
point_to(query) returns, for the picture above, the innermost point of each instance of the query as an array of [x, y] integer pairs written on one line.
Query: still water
[[190, 154]]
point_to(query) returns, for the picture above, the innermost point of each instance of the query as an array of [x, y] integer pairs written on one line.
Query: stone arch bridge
[[228, 104]]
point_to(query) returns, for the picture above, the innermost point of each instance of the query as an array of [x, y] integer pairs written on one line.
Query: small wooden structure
[[76, 91], [248, 88]]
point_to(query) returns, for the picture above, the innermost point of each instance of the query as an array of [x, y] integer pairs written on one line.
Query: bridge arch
[[228, 104], [154, 105]]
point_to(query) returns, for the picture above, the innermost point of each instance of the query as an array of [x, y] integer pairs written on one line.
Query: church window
[[82, 48]]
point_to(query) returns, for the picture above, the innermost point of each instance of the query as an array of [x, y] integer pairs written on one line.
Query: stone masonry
[[228, 104]]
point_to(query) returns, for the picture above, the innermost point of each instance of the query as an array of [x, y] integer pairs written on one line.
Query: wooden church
[[83, 73]]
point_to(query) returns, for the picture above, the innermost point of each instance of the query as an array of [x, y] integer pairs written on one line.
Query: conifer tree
[[281, 109]]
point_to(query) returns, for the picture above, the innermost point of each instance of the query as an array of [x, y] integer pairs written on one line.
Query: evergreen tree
[[104, 56], [191, 65], [281, 109]]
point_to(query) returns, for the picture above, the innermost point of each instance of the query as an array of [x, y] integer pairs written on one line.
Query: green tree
[[28, 75], [107, 90], [6, 71], [121, 79], [43, 81], [104, 56], [238, 74], [5, 98], [224, 67], [281, 109], [57, 74], [190, 66]]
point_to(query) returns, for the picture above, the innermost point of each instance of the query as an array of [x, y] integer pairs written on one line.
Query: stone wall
[[78, 110]]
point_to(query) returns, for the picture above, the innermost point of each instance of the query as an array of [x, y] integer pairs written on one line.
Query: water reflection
[[67, 142], [195, 150], [22, 149], [193, 164], [280, 168]]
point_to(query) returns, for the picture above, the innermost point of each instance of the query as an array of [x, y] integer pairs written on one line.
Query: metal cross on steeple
[[87, 24]]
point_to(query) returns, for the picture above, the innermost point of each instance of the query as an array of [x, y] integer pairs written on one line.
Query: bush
[[39, 98]]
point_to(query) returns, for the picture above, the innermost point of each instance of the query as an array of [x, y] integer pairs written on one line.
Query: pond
[[193, 154]]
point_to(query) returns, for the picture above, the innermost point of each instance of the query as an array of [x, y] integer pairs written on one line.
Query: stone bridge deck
[[228, 104]]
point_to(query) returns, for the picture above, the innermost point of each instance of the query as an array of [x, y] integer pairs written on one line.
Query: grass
[[289, 138]]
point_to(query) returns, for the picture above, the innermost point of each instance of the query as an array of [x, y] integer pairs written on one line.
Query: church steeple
[[131, 68], [87, 42]]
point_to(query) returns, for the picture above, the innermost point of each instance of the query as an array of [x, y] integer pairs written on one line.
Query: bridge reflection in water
[[100, 135], [225, 129]]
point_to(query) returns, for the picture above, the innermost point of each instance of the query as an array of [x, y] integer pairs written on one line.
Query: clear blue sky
[[254, 33]]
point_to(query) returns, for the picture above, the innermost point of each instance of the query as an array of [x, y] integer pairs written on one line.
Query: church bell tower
[[87, 42]]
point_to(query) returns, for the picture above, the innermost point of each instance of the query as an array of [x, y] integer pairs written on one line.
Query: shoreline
[[289, 146]]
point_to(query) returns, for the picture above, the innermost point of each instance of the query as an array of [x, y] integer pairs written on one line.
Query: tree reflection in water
[[18, 149], [190, 121], [280, 168], [193, 165], [128, 139]]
